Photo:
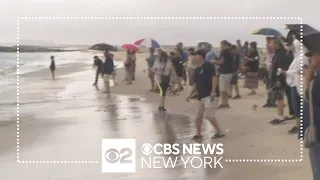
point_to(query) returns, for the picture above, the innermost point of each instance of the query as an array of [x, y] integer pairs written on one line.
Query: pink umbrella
[[130, 47]]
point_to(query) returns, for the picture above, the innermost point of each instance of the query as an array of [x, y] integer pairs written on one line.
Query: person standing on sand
[[311, 105], [52, 66], [278, 80], [178, 68], [245, 48], [205, 85], [99, 64], [108, 70], [252, 69], [134, 65], [270, 53], [150, 62], [225, 69], [129, 67], [191, 67], [184, 58], [236, 68], [162, 68]]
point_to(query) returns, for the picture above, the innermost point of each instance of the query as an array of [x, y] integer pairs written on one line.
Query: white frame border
[[162, 18]]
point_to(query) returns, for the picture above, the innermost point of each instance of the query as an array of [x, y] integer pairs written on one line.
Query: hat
[[200, 52]]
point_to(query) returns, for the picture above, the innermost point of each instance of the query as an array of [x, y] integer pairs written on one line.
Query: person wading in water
[[52, 66]]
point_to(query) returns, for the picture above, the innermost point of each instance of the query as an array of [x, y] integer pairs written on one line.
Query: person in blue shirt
[[205, 85]]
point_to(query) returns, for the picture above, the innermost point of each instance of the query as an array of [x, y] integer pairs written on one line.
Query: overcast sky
[[165, 31]]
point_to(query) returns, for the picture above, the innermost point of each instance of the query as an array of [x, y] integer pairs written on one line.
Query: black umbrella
[[312, 41], [103, 47], [296, 29]]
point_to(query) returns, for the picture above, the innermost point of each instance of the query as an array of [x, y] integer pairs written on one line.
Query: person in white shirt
[[162, 68], [293, 79]]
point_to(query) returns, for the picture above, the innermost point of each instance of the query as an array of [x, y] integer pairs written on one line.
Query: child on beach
[[52, 66]]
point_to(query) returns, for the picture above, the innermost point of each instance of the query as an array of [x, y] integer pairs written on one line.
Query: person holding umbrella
[[128, 64], [311, 104], [150, 62]]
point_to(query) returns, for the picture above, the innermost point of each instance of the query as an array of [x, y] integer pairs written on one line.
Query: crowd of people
[[213, 74]]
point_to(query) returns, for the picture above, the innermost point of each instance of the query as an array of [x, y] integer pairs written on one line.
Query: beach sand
[[65, 120]]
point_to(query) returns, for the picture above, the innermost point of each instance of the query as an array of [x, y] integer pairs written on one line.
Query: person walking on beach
[[162, 69], [205, 85], [129, 67], [225, 69], [98, 63], [236, 68], [52, 66], [150, 61], [252, 69], [108, 70], [277, 80]]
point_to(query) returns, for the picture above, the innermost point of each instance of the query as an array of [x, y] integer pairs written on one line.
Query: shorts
[[163, 87], [224, 81], [107, 77], [234, 79], [207, 108], [150, 74]]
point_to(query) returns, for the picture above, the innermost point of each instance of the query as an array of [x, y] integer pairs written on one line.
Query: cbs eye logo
[[122, 156]]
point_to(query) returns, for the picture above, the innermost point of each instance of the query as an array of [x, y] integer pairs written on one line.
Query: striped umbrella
[[147, 42]]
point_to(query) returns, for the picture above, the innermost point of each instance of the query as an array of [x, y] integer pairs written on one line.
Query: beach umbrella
[[296, 29], [147, 42], [204, 45], [130, 47], [267, 32]]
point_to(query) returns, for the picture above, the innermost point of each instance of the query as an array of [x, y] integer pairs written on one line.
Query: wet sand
[[69, 126]]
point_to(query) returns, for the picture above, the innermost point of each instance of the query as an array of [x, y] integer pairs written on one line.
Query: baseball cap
[[200, 52]]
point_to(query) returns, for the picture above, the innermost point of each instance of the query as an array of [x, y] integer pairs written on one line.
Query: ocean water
[[35, 90], [29, 62]]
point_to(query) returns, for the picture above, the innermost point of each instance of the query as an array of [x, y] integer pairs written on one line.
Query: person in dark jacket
[[108, 70], [98, 63], [52, 66], [313, 73], [277, 79]]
